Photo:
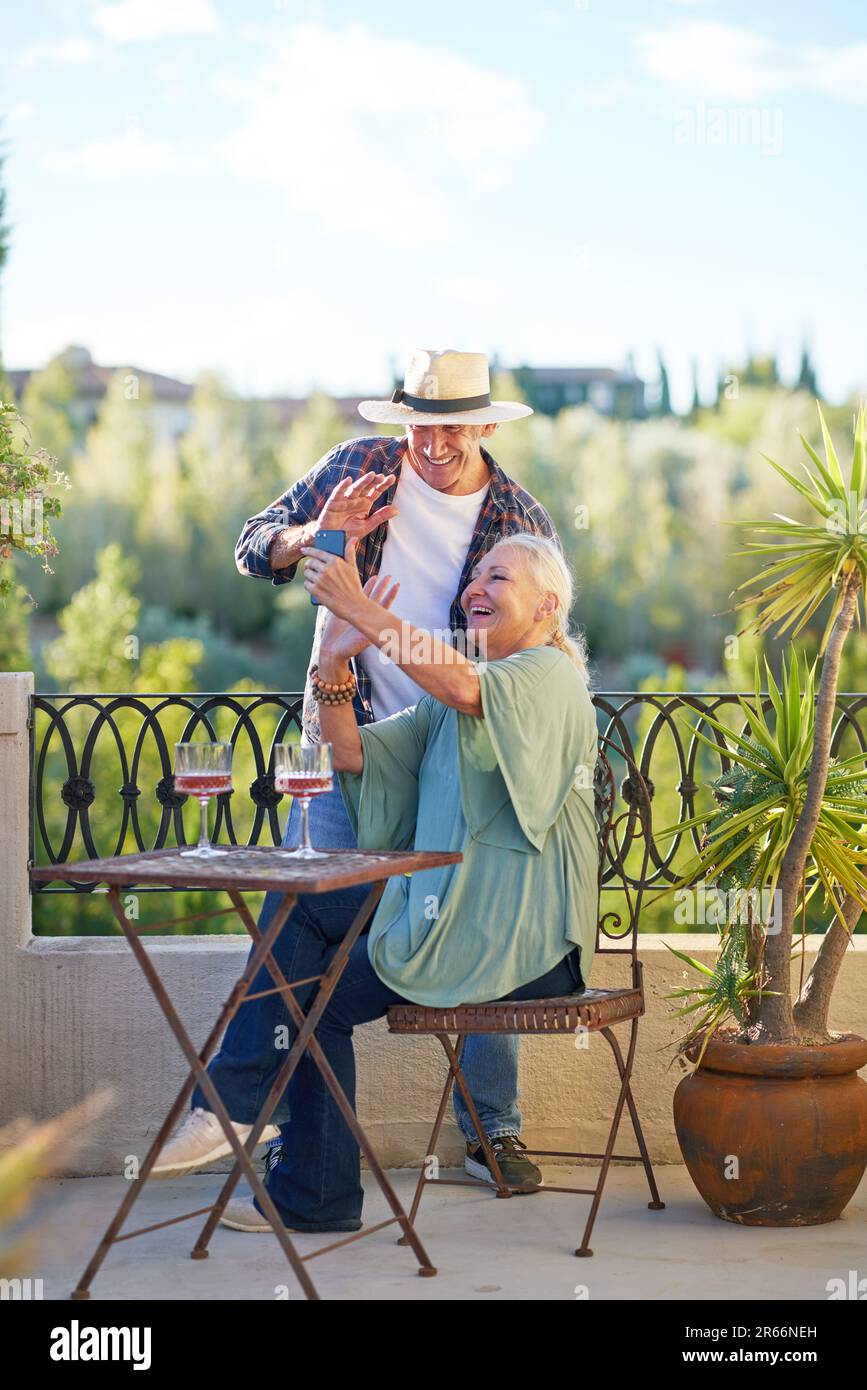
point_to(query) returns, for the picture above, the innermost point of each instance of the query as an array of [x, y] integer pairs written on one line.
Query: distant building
[[169, 406], [170, 400], [547, 389], [610, 391]]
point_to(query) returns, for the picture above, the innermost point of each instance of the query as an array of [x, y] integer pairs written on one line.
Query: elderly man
[[423, 509]]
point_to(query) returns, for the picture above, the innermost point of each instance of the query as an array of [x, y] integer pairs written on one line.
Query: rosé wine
[[203, 783], [300, 785]]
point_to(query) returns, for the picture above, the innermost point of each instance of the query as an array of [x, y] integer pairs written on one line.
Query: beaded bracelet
[[329, 692]]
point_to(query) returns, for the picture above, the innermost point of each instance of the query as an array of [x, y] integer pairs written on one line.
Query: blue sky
[[295, 197]]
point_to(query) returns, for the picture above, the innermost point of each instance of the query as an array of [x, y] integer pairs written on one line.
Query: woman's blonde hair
[[548, 568]]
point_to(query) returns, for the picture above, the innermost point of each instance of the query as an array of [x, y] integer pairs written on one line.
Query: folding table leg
[[306, 1041], [197, 1072], [293, 1057]]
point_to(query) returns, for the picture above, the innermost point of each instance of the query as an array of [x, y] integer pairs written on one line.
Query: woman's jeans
[[244, 1068], [317, 1183]]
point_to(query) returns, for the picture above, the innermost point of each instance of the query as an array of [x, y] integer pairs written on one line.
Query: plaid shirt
[[507, 508]]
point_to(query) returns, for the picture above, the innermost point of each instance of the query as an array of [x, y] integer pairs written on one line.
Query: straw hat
[[444, 388]]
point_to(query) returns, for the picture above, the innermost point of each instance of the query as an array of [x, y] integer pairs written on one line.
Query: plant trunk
[[776, 1016], [755, 962], [811, 1010]]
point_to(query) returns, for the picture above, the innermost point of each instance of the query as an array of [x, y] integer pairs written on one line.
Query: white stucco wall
[[76, 1014]]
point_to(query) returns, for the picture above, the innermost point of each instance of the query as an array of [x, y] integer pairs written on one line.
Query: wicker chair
[[596, 1010]]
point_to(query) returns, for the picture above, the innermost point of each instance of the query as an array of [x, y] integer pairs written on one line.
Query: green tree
[[14, 644], [110, 478], [806, 373], [222, 484], [115, 466], [664, 405], [311, 435], [45, 403], [98, 648], [761, 370], [696, 393]]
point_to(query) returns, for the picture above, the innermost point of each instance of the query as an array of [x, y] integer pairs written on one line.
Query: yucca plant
[[743, 849], [732, 985], [793, 819]]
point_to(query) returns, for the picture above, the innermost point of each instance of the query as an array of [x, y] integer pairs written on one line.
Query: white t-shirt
[[425, 548]]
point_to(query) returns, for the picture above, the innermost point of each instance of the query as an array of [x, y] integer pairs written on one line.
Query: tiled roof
[[92, 381]]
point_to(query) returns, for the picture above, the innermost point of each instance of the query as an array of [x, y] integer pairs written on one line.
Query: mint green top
[[513, 791]]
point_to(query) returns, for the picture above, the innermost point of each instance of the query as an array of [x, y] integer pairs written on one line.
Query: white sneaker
[[241, 1215], [199, 1142]]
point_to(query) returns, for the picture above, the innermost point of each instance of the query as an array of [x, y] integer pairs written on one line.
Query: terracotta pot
[[775, 1135]]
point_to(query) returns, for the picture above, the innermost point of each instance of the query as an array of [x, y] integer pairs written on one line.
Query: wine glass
[[203, 770], [305, 773]]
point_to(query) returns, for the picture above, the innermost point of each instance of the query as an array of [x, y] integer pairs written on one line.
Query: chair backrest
[[617, 833]]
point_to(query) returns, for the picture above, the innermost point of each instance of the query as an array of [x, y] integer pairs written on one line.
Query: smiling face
[[448, 457], [503, 601]]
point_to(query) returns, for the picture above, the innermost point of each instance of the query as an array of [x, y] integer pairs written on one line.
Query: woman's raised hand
[[332, 579], [340, 640]]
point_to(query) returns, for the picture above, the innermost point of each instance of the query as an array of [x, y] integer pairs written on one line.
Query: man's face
[[443, 453]]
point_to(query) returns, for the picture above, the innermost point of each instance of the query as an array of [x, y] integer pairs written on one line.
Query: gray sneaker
[[518, 1172]]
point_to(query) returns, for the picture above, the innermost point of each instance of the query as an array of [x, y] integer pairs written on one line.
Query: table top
[[247, 867]]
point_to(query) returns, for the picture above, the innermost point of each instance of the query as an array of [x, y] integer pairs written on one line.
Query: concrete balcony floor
[[484, 1248]]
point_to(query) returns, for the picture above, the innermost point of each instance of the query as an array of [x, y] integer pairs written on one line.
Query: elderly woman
[[496, 762]]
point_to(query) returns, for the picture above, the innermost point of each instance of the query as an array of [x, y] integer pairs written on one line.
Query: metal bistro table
[[249, 869]]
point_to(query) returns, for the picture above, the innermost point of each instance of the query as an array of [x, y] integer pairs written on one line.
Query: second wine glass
[[303, 773]]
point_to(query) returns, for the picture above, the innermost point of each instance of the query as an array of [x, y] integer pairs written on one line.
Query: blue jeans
[[317, 1183], [246, 1065]]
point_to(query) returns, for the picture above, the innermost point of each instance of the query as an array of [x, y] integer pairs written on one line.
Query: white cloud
[[365, 134], [839, 72], [723, 62], [598, 96], [127, 21], [473, 291], [20, 113], [713, 60], [377, 134], [58, 53], [129, 154]]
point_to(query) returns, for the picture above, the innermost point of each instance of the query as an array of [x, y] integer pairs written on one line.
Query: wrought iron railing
[[115, 752]]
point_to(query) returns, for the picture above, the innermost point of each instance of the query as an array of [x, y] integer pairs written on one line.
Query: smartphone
[[334, 542]]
